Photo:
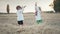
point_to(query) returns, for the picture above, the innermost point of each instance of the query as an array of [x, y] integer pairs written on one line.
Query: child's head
[[18, 7]]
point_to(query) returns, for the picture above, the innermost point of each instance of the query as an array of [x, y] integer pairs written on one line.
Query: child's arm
[[40, 10], [36, 6], [35, 3], [23, 6]]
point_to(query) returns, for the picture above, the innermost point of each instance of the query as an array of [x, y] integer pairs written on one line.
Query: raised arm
[[23, 6], [35, 3], [36, 7]]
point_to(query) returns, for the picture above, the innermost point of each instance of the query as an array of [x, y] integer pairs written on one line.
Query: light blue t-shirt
[[38, 16], [20, 15]]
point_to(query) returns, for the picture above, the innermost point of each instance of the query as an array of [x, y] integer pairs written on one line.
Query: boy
[[38, 14], [20, 17]]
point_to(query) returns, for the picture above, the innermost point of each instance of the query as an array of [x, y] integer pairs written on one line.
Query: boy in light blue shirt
[[38, 14], [20, 17]]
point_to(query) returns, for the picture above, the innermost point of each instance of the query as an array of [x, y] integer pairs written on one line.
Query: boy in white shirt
[[20, 17], [38, 14]]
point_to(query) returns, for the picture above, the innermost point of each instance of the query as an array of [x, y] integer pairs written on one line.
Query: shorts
[[39, 21], [20, 22]]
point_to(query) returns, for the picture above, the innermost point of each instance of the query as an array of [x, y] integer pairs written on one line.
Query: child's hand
[[23, 6]]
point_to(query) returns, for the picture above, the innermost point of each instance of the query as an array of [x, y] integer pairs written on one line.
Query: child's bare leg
[[21, 28]]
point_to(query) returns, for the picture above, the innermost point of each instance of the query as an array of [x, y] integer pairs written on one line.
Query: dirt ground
[[49, 25]]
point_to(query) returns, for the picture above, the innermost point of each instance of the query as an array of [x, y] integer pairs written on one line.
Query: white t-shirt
[[20, 15], [38, 16]]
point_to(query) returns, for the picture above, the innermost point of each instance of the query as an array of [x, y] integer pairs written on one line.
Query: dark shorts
[[20, 22]]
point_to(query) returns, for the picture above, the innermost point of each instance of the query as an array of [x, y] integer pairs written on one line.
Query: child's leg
[[20, 25]]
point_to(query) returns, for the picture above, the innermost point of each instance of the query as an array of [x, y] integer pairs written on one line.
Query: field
[[50, 24]]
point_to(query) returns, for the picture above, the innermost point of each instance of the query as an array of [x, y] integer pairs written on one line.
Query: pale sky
[[44, 4]]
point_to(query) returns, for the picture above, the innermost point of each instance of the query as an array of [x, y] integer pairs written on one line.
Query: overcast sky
[[44, 4]]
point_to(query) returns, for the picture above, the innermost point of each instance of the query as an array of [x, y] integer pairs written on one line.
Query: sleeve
[[22, 10]]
